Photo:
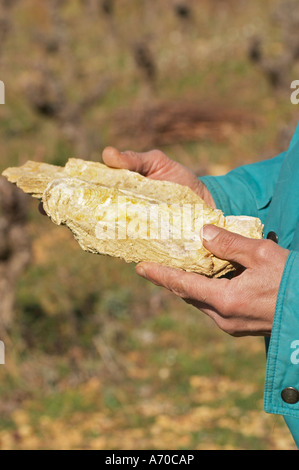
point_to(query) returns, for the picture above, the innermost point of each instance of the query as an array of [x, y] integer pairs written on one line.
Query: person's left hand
[[241, 306]]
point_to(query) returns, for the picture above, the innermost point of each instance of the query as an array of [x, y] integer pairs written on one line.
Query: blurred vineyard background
[[97, 358]]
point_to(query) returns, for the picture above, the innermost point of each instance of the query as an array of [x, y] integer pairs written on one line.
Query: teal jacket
[[270, 190]]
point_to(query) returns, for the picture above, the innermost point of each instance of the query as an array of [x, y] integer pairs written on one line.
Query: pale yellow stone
[[123, 214]]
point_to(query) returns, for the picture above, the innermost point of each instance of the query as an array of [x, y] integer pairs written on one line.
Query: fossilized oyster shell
[[123, 214]]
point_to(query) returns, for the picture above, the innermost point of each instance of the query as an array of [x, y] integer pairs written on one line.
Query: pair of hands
[[244, 305]]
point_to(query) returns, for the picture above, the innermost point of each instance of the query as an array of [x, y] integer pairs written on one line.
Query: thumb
[[116, 159], [228, 245], [144, 163]]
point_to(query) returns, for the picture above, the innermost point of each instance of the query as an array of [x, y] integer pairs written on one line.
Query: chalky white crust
[[83, 195]]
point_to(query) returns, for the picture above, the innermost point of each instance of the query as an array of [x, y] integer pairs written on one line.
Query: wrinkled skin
[[241, 306]]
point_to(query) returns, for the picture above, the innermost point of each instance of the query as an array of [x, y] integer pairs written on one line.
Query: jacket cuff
[[282, 372], [253, 184], [223, 187]]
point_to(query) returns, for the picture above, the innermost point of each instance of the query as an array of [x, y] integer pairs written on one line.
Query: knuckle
[[158, 153], [233, 330], [228, 303], [229, 242], [152, 161], [173, 281], [263, 249], [178, 288], [129, 153], [228, 326], [159, 157], [226, 308]]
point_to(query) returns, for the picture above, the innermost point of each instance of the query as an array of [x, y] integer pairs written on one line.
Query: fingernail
[[140, 271], [209, 232]]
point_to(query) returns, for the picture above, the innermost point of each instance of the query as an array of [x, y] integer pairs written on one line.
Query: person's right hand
[[156, 165]]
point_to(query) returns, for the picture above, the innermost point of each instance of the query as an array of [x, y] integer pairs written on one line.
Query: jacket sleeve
[[282, 374], [247, 190]]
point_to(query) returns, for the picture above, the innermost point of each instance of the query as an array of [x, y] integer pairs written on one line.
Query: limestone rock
[[120, 213]]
